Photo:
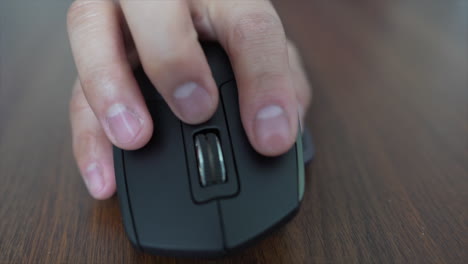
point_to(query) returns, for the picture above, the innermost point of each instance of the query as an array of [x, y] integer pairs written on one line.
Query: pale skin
[[108, 38]]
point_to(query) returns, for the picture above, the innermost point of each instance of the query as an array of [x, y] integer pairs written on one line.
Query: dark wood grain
[[390, 121]]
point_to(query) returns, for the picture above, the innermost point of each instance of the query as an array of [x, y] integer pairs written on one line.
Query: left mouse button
[[165, 219]]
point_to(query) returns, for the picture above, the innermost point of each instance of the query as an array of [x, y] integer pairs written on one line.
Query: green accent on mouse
[[300, 165]]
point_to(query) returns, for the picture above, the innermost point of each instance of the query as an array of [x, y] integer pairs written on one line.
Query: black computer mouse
[[202, 190]]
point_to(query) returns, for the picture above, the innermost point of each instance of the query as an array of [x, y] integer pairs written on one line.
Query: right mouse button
[[268, 186]]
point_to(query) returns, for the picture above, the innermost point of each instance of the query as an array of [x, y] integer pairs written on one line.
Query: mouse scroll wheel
[[210, 159]]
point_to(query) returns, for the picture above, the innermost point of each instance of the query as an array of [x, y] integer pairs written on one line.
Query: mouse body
[[202, 190]]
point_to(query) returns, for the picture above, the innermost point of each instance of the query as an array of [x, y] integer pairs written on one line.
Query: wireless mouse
[[202, 190]]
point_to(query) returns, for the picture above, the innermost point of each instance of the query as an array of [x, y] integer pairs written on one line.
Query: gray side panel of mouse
[[166, 220], [269, 186]]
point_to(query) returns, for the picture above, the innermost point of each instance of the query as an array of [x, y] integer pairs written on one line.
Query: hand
[[107, 107]]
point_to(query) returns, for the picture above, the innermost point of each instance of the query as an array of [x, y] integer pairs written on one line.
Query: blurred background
[[389, 119]]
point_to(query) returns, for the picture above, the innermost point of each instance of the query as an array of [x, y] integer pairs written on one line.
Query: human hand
[[107, 107]]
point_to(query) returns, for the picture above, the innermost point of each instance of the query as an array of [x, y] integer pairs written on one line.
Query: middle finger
[[172, 57]]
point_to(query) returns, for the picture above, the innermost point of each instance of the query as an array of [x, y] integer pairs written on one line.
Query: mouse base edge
[[226, 252]]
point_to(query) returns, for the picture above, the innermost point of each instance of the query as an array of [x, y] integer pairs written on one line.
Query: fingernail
[[193, 102], [93, 178], [124, 125], [272, 128]]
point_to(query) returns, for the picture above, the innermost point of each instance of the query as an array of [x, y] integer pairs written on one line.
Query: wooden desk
[[390, 121]]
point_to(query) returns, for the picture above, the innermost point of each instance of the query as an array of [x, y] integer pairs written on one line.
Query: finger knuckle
[[270, 82], [101, 78], [163, 64], [79, 11], [84, 146], [255, 27]]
